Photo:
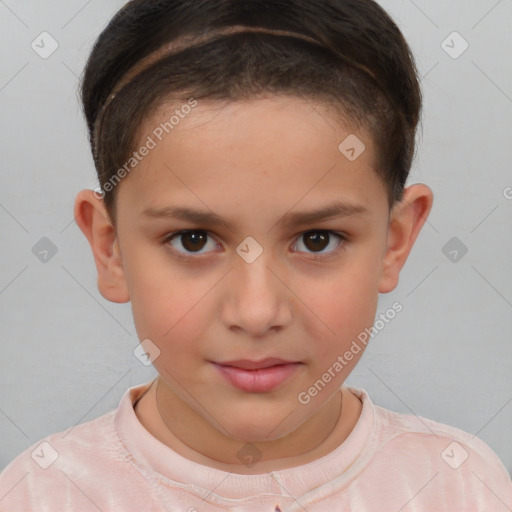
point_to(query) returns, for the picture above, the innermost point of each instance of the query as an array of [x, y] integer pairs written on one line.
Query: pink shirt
[[390, 462]]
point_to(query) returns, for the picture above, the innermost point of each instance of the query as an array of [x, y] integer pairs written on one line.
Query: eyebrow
[[333, 210]]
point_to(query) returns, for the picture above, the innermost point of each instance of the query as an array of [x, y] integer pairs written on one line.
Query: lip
[[267, 374], [247, 364]]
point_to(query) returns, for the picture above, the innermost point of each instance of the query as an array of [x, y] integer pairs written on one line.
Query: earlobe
[[407, 218], [93, 220]]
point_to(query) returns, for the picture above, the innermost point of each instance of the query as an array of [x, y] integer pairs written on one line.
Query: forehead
[[252, 155]]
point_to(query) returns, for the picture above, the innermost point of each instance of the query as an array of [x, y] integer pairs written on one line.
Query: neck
[[207, 445]]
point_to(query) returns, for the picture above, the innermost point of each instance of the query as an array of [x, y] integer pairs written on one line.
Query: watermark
[[146, 352], [249, 454], [455, 45], [352, 147], [44, 250], [45, 45], [249, 250], [454, 249], [454, 455], [304, 397], [151, 143], [507, 193], [44, 455]]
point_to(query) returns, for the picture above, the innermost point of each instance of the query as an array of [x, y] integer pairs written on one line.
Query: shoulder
[[47, 464], [70, 467], [425, 450], [425, 436]]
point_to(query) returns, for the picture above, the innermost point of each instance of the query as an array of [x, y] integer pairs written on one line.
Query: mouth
[[257, 376]]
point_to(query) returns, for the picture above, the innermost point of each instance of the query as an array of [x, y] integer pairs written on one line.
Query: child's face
[[254, 164]]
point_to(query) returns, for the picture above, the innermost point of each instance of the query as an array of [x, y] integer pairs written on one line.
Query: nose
[[257, 298]]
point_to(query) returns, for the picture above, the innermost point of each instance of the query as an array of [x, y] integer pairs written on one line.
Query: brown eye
[[190, 241], [317, 241]]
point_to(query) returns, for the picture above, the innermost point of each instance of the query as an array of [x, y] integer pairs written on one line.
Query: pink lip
[[266, 376], [247, 364]]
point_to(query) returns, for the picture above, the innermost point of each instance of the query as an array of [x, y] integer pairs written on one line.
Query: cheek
[[346, 302], [349, 312], [171, 310], [174, 325]]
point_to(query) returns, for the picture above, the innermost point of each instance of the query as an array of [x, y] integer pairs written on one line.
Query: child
[[230, 137]]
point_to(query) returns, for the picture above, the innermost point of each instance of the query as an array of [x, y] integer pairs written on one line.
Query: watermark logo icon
[[44, 455], [44, 45], [454, 249], [44, 250], [454, 45], [352, 147], [454, 455], [249, 455], [146, 352], [249, 250]]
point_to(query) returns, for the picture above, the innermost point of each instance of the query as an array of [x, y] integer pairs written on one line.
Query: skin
[[251, 163]]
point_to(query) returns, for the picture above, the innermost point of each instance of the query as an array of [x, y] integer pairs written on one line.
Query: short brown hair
[[348, 54]]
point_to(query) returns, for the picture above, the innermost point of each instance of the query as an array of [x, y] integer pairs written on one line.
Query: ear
[[92, 218], [406, 220]]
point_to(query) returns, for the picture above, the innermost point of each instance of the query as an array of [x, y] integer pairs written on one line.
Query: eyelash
[[315, 256]]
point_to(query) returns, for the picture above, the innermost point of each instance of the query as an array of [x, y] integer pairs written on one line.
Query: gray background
[[67, 354]]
